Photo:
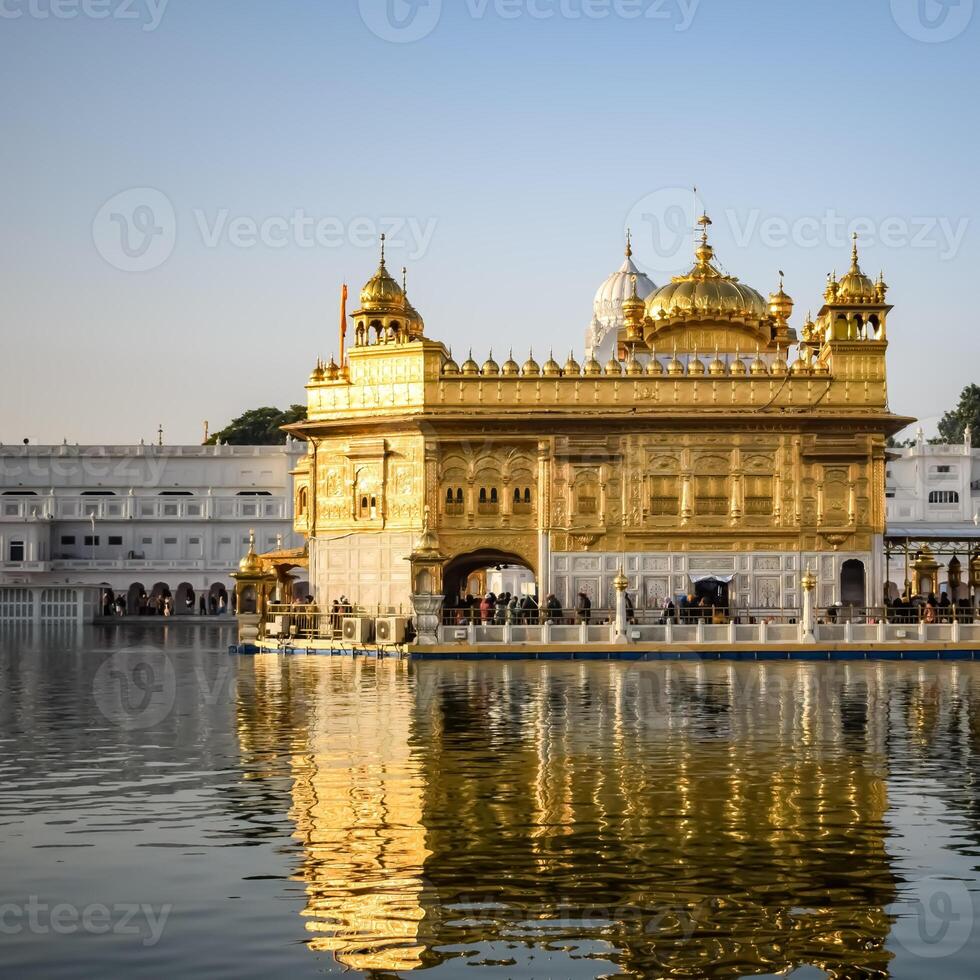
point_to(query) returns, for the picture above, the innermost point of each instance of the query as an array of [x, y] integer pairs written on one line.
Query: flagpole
[[343, 322]]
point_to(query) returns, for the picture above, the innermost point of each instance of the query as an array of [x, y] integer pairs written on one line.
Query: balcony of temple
[[496, 486]]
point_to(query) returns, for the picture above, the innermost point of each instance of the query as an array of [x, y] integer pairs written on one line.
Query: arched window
[[454, 501], [489, 502], [302, 502], [944, 497], [522, 500], [365, 509]]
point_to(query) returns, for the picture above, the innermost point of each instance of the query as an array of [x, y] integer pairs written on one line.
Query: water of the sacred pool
[[168, 809]]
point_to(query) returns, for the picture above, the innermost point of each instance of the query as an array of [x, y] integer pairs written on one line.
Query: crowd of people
[[928, 609], [496, 610], [116, 604]]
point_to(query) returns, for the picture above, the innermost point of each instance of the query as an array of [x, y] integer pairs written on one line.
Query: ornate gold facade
[[709, 436]]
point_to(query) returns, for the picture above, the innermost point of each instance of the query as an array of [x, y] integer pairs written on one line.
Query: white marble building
[[607, 307], [138, 517], [933, 494]]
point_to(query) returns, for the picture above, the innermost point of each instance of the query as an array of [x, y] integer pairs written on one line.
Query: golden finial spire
[[405, 280], [704, 252], [629, 243], [854, 253], [383, 239]]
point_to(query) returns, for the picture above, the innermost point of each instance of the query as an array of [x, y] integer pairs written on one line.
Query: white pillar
[[621, 584], [807, 634]]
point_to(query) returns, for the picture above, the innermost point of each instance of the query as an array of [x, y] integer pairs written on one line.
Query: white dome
[[607, 308]]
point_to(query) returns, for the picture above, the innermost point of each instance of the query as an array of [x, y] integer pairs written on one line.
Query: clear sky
[[186, 184]]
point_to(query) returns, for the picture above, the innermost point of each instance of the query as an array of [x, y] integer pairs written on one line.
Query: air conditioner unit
[[390, 629], [357, 630]]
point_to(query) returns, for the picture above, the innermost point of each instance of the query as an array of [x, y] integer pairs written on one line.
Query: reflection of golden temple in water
[[719, 821]]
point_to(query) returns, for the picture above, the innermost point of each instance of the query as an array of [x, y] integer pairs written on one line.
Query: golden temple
[[717, 443]]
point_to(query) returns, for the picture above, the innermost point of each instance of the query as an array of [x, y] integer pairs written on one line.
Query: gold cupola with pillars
[[855, 308], [385, 315], [707, 309]]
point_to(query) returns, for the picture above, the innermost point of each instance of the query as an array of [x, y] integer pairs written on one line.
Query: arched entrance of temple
[[852, 583], [133, 595], [715, 592], [464, 571], [184, 603]]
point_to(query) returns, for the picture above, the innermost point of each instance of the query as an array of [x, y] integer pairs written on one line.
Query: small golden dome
[[809, 330], [332, 370], [633, 366], [674, 367], [696, 366], [531, 367], [251, 564], [449, 367], [592, 369], [551, 369], [415, 327], [881, 288], [856, 287], [511, 368], [634, 309], [613, 366], [779, 365], [381, 292], [318, 374], [737, 367], [572, 367], [654, 367], [819, 367], [759, 366], [470, 367], [780, 303], [802, 363], [490, 367], [717, 368]]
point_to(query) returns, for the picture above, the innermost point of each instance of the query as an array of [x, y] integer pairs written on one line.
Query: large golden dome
[[706, 291]]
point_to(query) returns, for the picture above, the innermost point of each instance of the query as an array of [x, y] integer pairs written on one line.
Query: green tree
[[967, 413], [259, 427]]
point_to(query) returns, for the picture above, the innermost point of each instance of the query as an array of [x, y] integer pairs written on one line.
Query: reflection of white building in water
[[153, 518], [933, 500]]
